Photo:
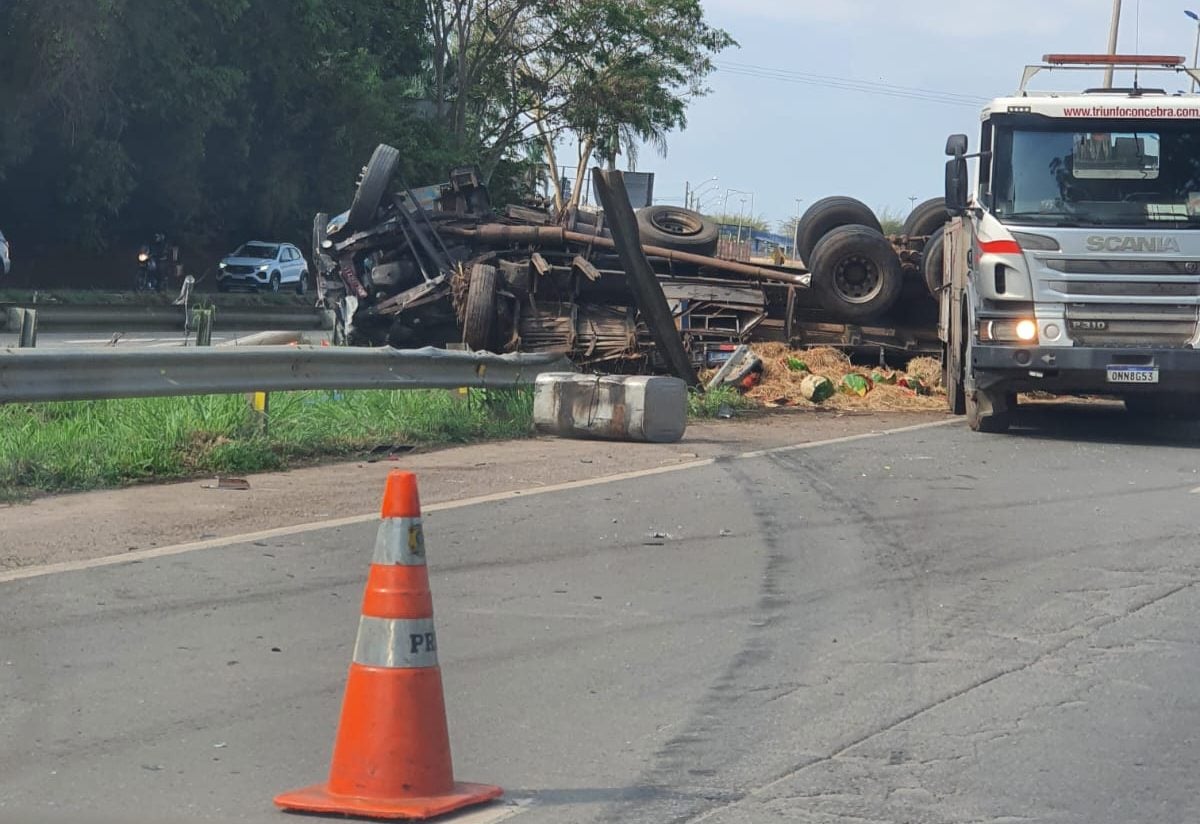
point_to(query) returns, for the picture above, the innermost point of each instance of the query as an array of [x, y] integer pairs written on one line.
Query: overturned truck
[[439, 266]]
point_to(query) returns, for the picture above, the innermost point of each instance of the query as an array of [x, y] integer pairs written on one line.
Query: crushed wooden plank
[[540, 264], [585, 266]]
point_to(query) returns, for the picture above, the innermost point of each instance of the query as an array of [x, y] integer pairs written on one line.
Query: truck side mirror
[[956, 145], [956, 186]]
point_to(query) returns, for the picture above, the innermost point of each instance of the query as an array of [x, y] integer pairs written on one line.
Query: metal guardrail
[[134, 318], [30, 375]]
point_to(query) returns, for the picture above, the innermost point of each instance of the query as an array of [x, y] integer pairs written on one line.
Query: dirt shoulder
[[99, 524]]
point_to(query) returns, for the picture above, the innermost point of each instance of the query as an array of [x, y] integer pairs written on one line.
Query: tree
[[478, 84], [123, 118], [128, 117], [787, 228], [892, 222], [620, 72]]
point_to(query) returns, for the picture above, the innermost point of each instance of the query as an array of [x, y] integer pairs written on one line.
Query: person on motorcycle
[[153, 264]]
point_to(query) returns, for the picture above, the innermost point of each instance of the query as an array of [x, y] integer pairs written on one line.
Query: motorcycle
[[147, 279], [154, 265]]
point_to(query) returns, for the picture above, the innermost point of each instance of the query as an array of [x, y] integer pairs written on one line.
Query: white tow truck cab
[[1074, 268]]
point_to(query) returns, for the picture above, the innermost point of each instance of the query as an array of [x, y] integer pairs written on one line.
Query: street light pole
[[1112, 41], [728, 192]]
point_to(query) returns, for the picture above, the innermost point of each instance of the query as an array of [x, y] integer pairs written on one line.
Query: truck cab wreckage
[[438, 266]]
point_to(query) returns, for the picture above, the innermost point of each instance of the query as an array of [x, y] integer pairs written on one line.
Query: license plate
[[1133, 374]]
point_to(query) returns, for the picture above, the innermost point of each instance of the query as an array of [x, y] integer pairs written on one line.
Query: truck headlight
[[1016, 330]]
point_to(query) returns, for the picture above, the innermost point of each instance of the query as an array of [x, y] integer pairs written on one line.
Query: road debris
[[813, 388], [388, 452], [861, 389], [228, 483]]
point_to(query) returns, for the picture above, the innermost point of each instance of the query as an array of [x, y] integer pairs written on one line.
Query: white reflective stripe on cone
[[408, 643], [400, 542]]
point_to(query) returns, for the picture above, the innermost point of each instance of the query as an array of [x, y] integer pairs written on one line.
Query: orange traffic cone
[[391, 757]]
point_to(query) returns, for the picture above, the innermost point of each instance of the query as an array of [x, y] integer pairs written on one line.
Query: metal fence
[[30, 375]]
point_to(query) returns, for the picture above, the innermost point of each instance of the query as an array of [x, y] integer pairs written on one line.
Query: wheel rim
[[679, 224], [857, 279]]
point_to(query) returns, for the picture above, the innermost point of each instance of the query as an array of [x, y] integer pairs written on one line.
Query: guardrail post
[[203, 320], [28, 328], [260, 407]]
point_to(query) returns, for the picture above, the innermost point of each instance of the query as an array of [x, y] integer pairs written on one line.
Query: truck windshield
[[1117, 173]]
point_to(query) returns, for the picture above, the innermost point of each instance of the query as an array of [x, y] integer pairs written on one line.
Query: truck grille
[[1116, 301], [1070, 266], [1133, 325]]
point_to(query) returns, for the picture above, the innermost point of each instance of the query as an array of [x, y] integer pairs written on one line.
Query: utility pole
[[912, 203], [796, 231], [1112, 41], [1196, 54]]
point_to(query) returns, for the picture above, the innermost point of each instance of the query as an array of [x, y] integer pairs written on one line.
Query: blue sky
[[783, 140]]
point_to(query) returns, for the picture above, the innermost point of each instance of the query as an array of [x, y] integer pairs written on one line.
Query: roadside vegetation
[[65, 447], [126, 118], [56, 447]]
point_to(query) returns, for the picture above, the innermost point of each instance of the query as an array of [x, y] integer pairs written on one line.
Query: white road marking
[[353, 520], [491, 814], [1196, 491]]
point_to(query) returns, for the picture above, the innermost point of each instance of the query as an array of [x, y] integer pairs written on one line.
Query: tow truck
[[1074, 266]]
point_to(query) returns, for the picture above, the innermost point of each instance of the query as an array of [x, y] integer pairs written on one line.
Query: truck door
[[953, 325]]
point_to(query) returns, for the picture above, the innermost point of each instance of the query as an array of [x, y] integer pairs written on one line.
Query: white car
[[259, 264]]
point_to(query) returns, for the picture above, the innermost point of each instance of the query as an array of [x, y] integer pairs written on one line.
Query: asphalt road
[[934, 626]]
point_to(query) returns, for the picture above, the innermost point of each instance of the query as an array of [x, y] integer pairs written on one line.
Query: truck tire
[[856, 274], [956, 398], [988, 411], [827, 214], [479, 318], [681, 230], [933, 261], [372, 187], [926, 218]]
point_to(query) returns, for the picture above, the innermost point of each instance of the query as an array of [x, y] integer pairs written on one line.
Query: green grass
[[702, 406], [56, 447]]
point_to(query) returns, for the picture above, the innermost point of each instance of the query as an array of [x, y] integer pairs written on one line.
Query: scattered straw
[[928, 370], [780, 384]]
